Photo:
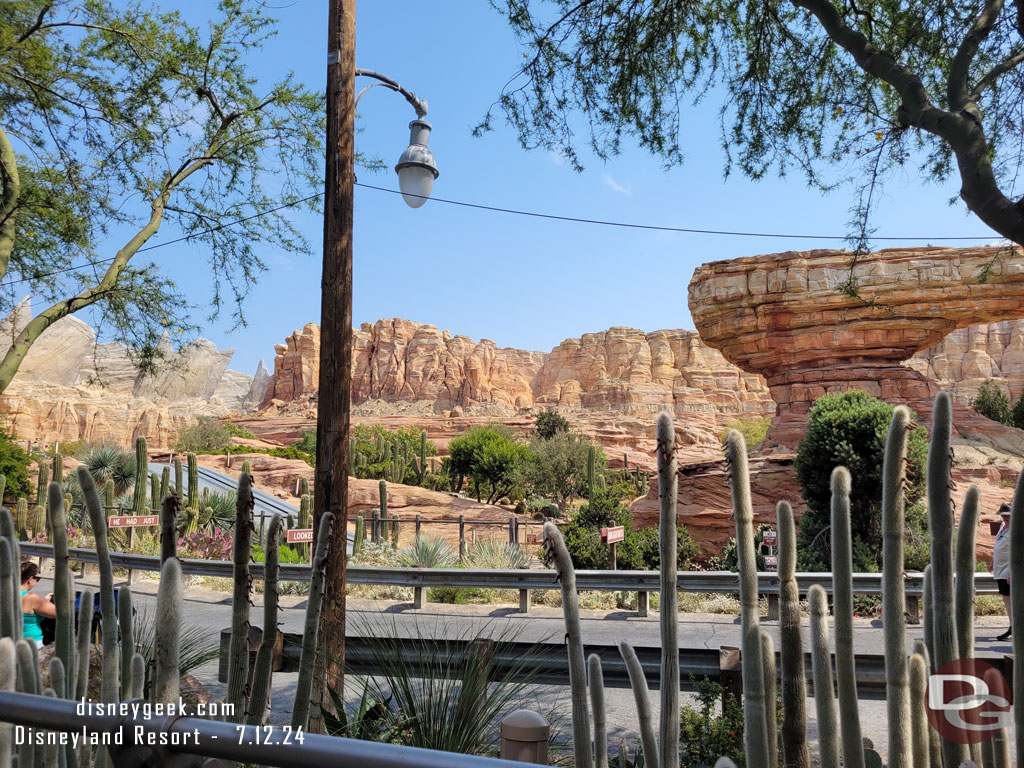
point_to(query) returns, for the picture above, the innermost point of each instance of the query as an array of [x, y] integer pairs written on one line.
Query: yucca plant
[[198, 645], [445, 691], [223, 506], [495, 553], [428, 552], [107, 462]]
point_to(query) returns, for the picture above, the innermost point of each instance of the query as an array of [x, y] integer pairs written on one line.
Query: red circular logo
[[968, 700]]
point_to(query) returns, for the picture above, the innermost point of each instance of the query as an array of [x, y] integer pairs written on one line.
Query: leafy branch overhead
[[117, 120], [806, 85]]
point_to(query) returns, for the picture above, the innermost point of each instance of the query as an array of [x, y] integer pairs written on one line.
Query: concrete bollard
[[524, 737]]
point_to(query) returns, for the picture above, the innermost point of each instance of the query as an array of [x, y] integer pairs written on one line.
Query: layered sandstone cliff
[[70, 387]]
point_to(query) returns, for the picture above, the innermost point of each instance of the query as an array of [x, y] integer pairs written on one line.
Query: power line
[[654, 227], [496, 209]]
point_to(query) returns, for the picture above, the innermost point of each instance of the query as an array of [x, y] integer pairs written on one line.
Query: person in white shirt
[[1001, 565]]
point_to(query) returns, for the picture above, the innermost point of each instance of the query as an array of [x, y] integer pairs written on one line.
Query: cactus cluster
[[949, 614], [123, 669]]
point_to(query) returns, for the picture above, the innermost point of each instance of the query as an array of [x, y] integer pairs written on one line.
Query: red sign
[[770, 538], [611, 535], [299, 535], [132, 521]]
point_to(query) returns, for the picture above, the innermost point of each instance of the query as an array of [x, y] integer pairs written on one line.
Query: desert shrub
[[753, 430], [549, 423], [236, 430], [308, 442], [557, 467], [206, 434], [849, 429], [206, 545], [496, 553], [992, 403], [428, 552], [14, 462]]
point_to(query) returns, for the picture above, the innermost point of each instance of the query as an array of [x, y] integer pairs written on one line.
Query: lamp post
[[416, 174]]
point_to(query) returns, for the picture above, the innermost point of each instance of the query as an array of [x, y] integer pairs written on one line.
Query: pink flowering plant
[[206, 545]]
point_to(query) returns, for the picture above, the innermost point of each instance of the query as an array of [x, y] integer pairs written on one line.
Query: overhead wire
[[498, 209]]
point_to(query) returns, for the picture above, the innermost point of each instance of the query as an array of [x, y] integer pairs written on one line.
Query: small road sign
[[613, 534], [131, 521], [299, 535], [771, 563], [770, 538]]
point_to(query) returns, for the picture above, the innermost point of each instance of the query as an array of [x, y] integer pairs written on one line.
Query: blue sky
[[521, 282]]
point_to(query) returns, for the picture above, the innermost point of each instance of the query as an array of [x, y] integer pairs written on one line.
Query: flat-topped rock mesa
[[69, 387], [620, 371], [783, 316]]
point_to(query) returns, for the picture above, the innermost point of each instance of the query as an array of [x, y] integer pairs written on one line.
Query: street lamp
[[416, 168]]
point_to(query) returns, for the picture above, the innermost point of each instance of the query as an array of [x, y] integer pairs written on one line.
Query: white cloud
[[615, 186]]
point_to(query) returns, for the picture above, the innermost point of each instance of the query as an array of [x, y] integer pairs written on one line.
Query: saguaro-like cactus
[[264, 657], [794, 683], [193, 484], [360, 538], [842, 609], [307, 660], [44, 480], [10, 602], [141, 472], [755, 734], [165, 482], [241, 552], [178, 490], [21, 517], [110, 687], [166, 642], [642, 697], [154, 493], [821, 666], [554, 544], [58, 468], [894, 605], [596, 683], [63, 591], [669, 612]]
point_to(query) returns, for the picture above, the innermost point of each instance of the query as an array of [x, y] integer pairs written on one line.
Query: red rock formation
[[784, 316]]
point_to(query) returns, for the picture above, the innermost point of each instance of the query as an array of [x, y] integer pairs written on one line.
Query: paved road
[[212, 609]]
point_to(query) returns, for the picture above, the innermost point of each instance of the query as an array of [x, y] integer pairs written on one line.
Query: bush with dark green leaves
[[14, 465], [206, 434], [549, 423], [992, 403], [491, 458], [848, 429]]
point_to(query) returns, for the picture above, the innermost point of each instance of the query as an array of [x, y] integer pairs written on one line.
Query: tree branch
[[9, 200], [38, 24], [989, 79], [957, 95]]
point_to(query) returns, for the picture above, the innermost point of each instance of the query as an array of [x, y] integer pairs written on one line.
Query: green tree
[[120, 120], [992, 403], [490, 457], [205, 434], [1017, 416], [557, 469], [848, 429], [835, 91], [14, 465], [549, 423]]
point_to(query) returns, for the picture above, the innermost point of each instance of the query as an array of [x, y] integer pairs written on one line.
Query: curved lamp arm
[[418, 104]]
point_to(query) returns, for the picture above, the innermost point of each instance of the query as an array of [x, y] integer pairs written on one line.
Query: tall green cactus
[[178, 490], [111, 683], [58, 468], [894, 472], [554, 545], [382, 492], [63, 590], [304, 486], [307, 659], [669, 612], [821, 669], [755, 734], [241, 553], [591, 471], [165, 482], [940, 528], [21, 517], [246, 467], [794, 682], [192, 502], [842, 609], [13, 580], [360, 537], [595, 678], [262, 671], [154, 493], [44, 480], [139, 505]]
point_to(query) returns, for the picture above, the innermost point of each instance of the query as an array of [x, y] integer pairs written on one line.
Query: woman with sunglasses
[[33, 606]]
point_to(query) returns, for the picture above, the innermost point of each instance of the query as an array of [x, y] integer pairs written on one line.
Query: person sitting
[[33, 606]]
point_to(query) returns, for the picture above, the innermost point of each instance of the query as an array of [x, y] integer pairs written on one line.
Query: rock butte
[[784, 316]]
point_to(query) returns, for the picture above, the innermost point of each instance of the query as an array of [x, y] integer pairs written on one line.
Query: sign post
[[610, 536]]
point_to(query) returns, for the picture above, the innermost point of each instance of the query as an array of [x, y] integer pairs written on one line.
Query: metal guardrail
[[525, 580], [257, 745]]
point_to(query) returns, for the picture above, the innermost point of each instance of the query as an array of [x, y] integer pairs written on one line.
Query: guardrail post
[[511, 530], [913, 609], [525, 600], [419, 597], [773, 606], [375, 527], [730, 673], [642, 604], [524, 737], [462, 537], [419, 523]]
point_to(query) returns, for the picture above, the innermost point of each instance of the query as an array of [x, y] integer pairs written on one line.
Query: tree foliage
[[549, 423], [14, 465], [992, 403], [848, 430], [804, 85], [490, 457], [118, 120], [557, 467]]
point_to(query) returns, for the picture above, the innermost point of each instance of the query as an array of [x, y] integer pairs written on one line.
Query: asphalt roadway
[[212, 609]]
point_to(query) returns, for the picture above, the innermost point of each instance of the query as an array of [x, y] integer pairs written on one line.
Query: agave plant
[[495, 553], [223, 506], [107, 462], [428, 552], [198, 646]]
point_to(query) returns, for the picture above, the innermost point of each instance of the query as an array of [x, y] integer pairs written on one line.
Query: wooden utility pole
[[332, 424]]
